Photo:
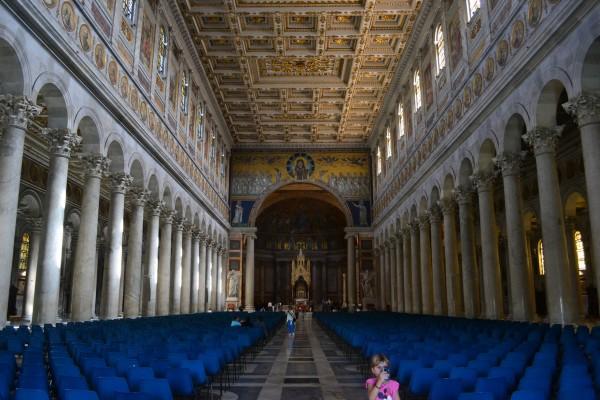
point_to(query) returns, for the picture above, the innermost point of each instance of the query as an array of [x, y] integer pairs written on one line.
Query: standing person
[[380, 386], [290, 321]]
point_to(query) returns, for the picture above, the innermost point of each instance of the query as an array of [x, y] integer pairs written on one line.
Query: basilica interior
[[415, 166]]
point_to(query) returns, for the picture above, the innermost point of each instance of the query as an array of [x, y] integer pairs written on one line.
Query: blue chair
[[160, 368], [31, 394], [528, 395], [107, 386], [504, 372], [70, 383], [536, 384], [33, 382], [406, 369], [133, 396], [422, 380], [467, 376], [76, 394], [196, 368], [101, 373], [476, 396], [497, 386], [180, 381], [444, 367], [158, 388], [445, 389], [578, 393], [138, 374]]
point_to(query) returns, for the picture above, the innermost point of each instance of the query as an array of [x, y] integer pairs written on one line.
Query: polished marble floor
[[308, 366]]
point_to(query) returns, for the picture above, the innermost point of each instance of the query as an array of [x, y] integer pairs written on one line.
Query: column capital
[[509, 163], [435, 214], [140, 196], [198, 235], [585, 108], [95, 165], [17, 110], [179, 223], [250, 236], [398, 235], [156, 207], [483, 180], [62, 141], [414, 226], [447, 204], [349, 235], [543, 139], [406, 230], [424, 220], [167, 215], [35, 223], [120, 181], [188, 229], [464, 194]]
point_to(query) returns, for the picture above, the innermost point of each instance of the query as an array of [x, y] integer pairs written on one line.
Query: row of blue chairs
[[443, 358]]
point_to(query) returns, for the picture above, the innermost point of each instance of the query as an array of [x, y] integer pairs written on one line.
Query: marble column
[[133, 271], [350, 270], [176, 268], [392, 276], [437, 263], [453, 284], [187, 277], [35, 225], [202, 273], [164, 263], [220, 275], [17, 111], [195, 265], [464, 197], [399, 274], [570, 228], [386, 278], [83, 283], [249, 272], [210, 270], [120, 182], [425, 261], [407, 270], [490, 260], [149, 301], [561, 300], [62, 141], [521, 273], [381, 274], [586, 109], [416, 268], [214, 277]]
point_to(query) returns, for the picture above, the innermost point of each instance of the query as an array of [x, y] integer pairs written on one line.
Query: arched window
[[378, 160], [24, 254], [129, 9], [388, 142], [185, 92], [417, 89], [540, 251], [163, 46], [200, 127], [223, 162], [581, 267], [472, 7], [213, 148], [400, 121], [440, 53]]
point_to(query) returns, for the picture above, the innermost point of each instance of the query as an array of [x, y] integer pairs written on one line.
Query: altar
[[301, 279]]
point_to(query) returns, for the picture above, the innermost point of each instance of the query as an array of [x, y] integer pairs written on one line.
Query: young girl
[[291, 322], [380, 386]]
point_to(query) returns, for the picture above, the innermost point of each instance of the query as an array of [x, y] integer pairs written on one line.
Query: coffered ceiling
[[300, 71]]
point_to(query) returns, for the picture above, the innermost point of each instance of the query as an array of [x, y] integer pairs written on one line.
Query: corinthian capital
[[509, 163], [62, 141], [95, 165], [447, 204], [585, 109], [120, 181], [156, 207], [435, 214], [464, 194], [542, 139], [483, 181], [17, 110], [424, 220], [140, 196]]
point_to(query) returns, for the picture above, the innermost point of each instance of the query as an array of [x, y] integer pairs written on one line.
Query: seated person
[[235, 322]]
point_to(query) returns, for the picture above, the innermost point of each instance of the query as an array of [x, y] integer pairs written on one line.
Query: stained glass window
[[439, 49], [472, 7], [388, 142], [400, 121], [24, 252], [163, 46], [378, 160], [581, 267], [540, 249], [129, 9], [417, 89], [185, 92]]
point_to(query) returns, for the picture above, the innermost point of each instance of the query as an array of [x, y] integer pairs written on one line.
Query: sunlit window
[[417, 89], [388, 142], [581, 267], [400, 121], [163, 46], [472, 7], [439, 49], [213, 148], [129, 9], [378, 160], [24, 252], [540, 251], [185, 92], [200, 127], [223, 163]]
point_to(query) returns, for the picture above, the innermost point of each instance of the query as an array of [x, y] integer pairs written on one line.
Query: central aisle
[[308, 366]]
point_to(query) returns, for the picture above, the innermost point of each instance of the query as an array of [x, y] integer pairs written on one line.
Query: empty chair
[[138, 374], [160, 368], [70, 383], [158, 388], [445, 389], [33, 382], [422, 380], [497, 386], [180, 381], [196, 368], [443, 367], [31, 394], [467, 376], [107, 386], [133, 396], [536, 383], [528, 395], [504, 372], [481, 366], [406, 369], [576, 393], [100, 373], [476, 396], [77, 394]]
